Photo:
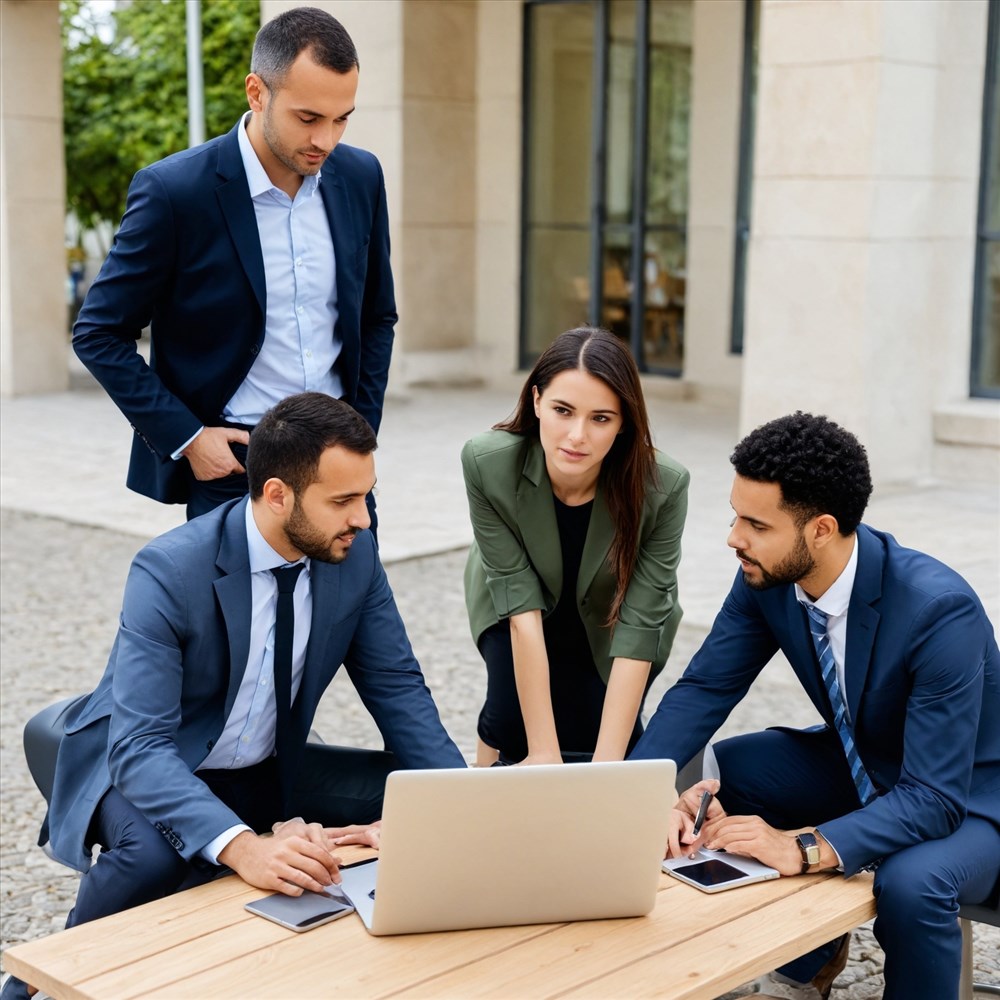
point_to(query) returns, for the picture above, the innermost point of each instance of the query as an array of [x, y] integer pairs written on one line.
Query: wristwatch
[[810, 850]]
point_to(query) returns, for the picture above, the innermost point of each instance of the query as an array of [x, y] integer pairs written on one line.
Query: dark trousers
[[577, 702], [793, 779], [336, 786]]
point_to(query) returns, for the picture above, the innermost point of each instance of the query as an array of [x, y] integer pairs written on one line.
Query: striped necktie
[[821, 640]]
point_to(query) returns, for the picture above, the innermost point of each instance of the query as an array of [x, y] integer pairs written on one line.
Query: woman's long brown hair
[[628, 471]]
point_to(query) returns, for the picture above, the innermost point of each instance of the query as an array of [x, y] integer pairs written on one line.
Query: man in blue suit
[[260, 261], [180, 758], [896, 653]]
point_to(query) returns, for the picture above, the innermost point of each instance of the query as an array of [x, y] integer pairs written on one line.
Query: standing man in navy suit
[[179, 760], [896, 653], [260, 261]]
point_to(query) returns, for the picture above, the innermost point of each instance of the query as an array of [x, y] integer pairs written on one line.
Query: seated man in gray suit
[[187, 751]]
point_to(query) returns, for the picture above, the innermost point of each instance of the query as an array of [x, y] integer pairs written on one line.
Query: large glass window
[[608, 103], [985, 379]]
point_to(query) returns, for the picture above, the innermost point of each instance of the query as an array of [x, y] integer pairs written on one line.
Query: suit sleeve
[[390, 683], [719, 675], [144, 758], [651, 597], [512, 582], [946, 664], [135, 276], [378, 316]]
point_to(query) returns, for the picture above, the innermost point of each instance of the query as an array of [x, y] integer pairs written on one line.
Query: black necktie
[[284, 633]]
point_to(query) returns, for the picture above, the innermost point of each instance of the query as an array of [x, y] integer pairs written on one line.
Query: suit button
[[255, 349]]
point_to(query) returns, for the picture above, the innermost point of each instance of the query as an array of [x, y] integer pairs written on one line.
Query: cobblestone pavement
[[60, 589]]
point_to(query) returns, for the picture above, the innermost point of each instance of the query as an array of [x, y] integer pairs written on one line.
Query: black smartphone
[[302, 913]]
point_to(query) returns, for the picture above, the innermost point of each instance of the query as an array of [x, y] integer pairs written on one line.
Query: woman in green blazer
[[571, 584]]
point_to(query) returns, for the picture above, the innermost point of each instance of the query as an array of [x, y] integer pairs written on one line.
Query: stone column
[[864, 212], [710, 367], [33, 307]]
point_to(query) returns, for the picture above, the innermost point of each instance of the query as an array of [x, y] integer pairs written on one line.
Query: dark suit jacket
[[515, 563], [922, 674], [177, 664], [187, 260]]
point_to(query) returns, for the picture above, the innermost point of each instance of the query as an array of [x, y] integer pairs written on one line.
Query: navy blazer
[[187, 262], [922, 674], [177, 664]]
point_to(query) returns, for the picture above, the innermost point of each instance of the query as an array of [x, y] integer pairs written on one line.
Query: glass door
[[607, 109]]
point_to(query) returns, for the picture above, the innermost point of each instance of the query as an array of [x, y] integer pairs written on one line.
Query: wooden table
[[203, 944]]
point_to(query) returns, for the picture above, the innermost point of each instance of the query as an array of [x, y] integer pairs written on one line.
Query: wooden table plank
[[574, 954], [738, 950], [202, 943], [75, 955]]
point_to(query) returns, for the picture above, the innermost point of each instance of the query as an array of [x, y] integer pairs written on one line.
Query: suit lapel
[[237, 208], [536, 517], [862, 618], [324, 581], [600, 534], [232, 591], [340, 217]]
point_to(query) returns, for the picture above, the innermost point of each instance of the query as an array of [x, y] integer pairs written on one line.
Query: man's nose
[[360, 518]]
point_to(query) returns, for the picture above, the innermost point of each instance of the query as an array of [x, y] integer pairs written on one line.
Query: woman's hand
[[540, 758]]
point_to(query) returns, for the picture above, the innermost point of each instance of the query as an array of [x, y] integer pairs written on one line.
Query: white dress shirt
[[834, 604], [248, 736]]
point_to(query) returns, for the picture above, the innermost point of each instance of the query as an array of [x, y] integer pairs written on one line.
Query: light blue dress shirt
[[248, 736], [300, 350]]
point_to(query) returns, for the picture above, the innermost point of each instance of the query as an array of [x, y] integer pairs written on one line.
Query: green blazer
[[515, 563]]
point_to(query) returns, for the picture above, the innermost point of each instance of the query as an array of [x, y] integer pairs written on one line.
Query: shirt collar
[[262, 557], [835, 601], [257, 177]]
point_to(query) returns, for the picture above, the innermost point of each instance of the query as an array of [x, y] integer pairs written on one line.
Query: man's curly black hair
[[820, 467]]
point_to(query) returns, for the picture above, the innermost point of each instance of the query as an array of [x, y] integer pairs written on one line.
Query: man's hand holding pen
[[685, 836]]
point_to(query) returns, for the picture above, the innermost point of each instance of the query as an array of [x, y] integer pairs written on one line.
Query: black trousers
[[577, 702]]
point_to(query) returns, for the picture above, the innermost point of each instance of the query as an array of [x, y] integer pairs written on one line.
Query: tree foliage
[[125, 90]]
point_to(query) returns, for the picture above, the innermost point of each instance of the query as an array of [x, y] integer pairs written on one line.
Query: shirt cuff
[[180, 451], [840, 860], [211, 851]]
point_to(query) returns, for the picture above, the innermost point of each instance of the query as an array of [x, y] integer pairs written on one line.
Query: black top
[[565, 637]]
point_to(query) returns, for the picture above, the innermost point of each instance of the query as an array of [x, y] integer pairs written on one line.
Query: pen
[[706, 798]]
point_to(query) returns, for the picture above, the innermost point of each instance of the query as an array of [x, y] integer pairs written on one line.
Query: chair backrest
[[42, 736]]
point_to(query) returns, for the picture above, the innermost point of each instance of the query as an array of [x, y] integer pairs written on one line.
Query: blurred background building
[[779, 204]]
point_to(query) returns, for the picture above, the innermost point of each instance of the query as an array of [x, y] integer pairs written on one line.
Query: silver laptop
[[490, 847]]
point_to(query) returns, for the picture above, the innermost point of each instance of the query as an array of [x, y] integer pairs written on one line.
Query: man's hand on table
[[751, 836], [682, 840], [369, 835], [296, 857]]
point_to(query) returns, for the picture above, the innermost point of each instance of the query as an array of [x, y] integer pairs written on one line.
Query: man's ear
[[255, 88], [824, 530], [278, 497]]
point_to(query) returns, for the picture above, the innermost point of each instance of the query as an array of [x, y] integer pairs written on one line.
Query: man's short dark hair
[[291, 437], [820, 467], [280, 41]]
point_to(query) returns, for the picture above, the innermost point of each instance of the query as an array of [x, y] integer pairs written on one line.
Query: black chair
[[42, 736], [984, 913]]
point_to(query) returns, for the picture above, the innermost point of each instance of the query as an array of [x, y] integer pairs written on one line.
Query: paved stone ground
[[60, 588]]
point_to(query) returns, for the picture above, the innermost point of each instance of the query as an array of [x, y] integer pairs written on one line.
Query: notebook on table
[[492, 847]]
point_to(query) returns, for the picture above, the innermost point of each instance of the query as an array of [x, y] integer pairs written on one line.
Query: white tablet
[[713, 871]]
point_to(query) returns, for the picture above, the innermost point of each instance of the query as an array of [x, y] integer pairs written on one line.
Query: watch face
[[809, 848]]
